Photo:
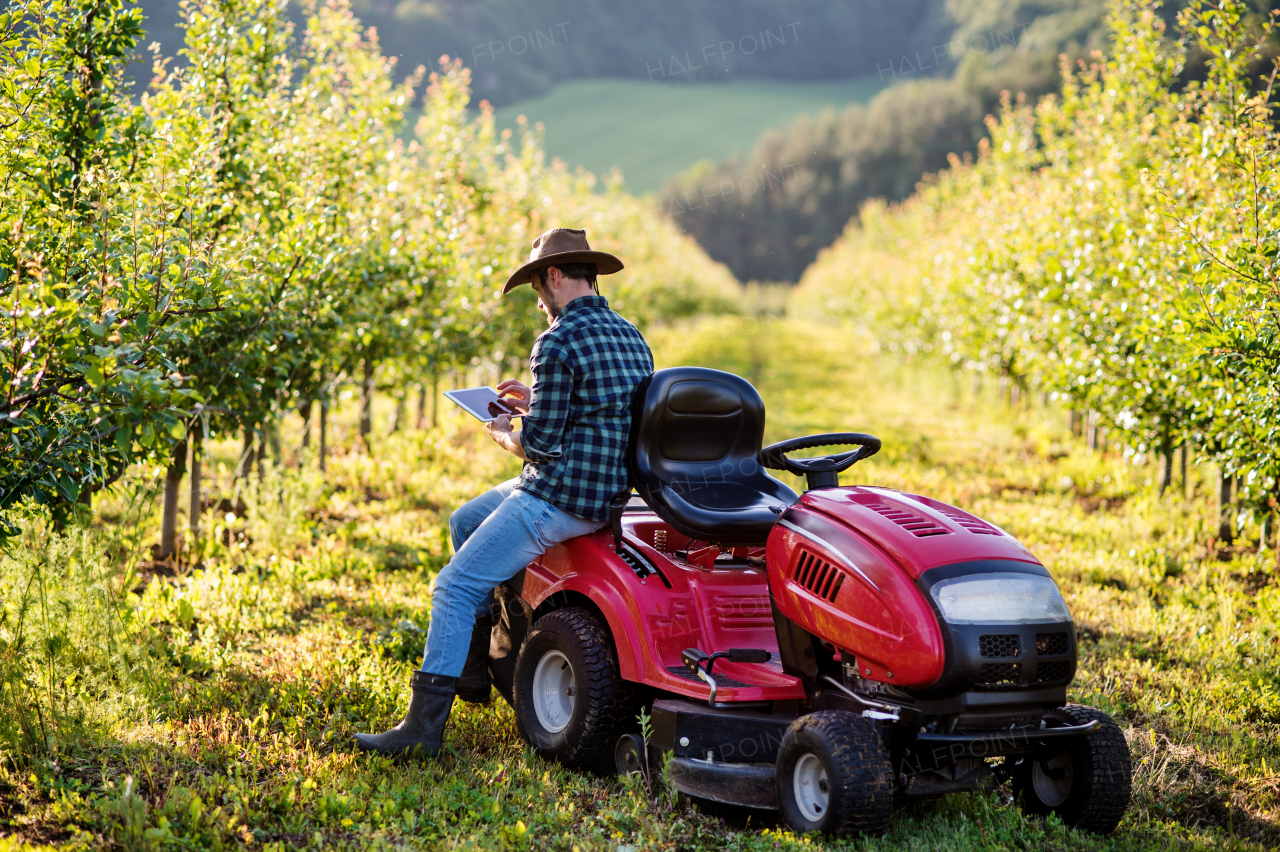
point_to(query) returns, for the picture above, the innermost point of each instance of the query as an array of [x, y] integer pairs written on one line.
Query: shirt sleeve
[[542, 429]]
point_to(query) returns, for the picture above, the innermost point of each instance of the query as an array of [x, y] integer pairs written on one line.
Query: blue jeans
[[494, 536]]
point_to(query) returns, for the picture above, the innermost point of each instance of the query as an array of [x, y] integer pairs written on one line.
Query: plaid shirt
[[586, 368]]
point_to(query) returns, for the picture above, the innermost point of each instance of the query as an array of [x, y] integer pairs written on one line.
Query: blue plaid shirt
[[586, 368]]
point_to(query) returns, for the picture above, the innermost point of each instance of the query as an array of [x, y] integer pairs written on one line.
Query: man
[[577, 416]]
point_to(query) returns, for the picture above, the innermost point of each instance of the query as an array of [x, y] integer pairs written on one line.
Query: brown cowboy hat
[[559, 246]]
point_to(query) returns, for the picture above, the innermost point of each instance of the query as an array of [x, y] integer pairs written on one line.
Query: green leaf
[[124, 439]]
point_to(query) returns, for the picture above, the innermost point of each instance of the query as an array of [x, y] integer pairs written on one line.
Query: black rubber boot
[[421, 732], [473, 685]]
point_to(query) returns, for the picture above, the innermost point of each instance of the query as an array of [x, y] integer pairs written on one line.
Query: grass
[[143, 708], [652, 131]]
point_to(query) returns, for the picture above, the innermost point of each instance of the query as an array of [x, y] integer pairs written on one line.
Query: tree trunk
[[246, 454], [1091, 430], [304, 411], [422, 405], [1166, 471], [366, 401], [194, 504], [1073, 423], [1186, 451], [435, 397], [1225, 532], [277, 454], [324, 431], [262, 452], [172, 485], [398, 415]]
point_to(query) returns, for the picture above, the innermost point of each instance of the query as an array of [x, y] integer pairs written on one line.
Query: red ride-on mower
[[821, 654]]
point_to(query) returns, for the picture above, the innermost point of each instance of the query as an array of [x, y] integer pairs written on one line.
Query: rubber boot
[[421, 732], [473, 685]]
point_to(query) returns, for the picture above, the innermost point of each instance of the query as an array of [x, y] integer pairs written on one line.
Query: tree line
[[519, 49], [935, 105], [253, 232], [1115, 247]]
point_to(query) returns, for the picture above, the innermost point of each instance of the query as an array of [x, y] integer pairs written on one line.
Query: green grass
[[212, 709], [653, 131]]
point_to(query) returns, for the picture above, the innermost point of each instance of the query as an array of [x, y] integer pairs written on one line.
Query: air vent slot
[[917, 525], [1052, 644], [999, 645], [964, 519], [819, 576], [1053, 671], [1000, 674]]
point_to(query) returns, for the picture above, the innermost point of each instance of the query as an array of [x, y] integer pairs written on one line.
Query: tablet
[[475, 401]]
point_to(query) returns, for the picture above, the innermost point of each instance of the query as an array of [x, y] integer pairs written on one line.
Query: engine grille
[[1000, 674], [917, 525], [1051, 671], [964, 519], [999, 645], [819, 576], [1052, 644]]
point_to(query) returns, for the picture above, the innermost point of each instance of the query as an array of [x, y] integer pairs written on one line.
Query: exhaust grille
[[1052, 644], [917, 525], [999, 645], [819, 576], [1000, 674]]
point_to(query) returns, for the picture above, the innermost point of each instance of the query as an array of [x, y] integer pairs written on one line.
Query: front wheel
[[571, 702], [834, 775], [1087, 782]]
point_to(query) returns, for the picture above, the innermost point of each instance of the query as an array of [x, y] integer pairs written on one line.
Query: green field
[[212, 709], [652, 131]]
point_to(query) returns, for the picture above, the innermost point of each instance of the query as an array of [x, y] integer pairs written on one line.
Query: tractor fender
[[586, 570]]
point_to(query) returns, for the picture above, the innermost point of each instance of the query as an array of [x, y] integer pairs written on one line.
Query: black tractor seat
[[695, 434]]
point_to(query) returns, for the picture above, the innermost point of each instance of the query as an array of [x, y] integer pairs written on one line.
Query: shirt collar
[[592, 301]]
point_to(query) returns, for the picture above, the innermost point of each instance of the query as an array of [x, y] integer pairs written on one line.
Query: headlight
[[1000, 599]]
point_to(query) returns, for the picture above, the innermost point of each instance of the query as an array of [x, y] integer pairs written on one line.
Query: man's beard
[[552, 306]]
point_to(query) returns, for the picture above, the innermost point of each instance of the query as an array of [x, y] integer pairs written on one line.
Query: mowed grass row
[[212, 709]]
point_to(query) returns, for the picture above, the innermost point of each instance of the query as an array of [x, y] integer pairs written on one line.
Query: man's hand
[[516, 394], [499, 429]]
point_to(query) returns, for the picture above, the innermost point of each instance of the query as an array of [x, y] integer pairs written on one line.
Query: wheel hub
[[553, 692], [1051, 779], [811, 787]]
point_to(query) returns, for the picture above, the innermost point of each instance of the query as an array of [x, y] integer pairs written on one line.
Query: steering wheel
[[820, 471]]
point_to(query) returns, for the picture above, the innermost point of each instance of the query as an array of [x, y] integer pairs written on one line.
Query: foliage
[[1111, 246], [255, 231]]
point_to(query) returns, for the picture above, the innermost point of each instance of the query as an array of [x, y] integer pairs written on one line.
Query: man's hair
[[573, 271]]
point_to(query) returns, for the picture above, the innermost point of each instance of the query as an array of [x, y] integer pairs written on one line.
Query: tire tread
[[865, 801], [1102, 802], [611, 703]]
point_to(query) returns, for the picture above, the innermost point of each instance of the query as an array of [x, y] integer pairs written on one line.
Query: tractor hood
[[918, 532]]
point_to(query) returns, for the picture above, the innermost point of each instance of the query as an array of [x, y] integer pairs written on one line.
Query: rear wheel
[[1086, 782], [834, 775], [571, 703]]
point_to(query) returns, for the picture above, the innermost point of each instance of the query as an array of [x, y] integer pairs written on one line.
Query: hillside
[[651, 132], [521, 48]]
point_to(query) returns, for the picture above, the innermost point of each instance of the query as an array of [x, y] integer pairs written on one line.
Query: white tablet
[[475, 401]]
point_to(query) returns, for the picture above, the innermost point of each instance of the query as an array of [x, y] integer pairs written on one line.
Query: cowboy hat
[[559, 246]]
